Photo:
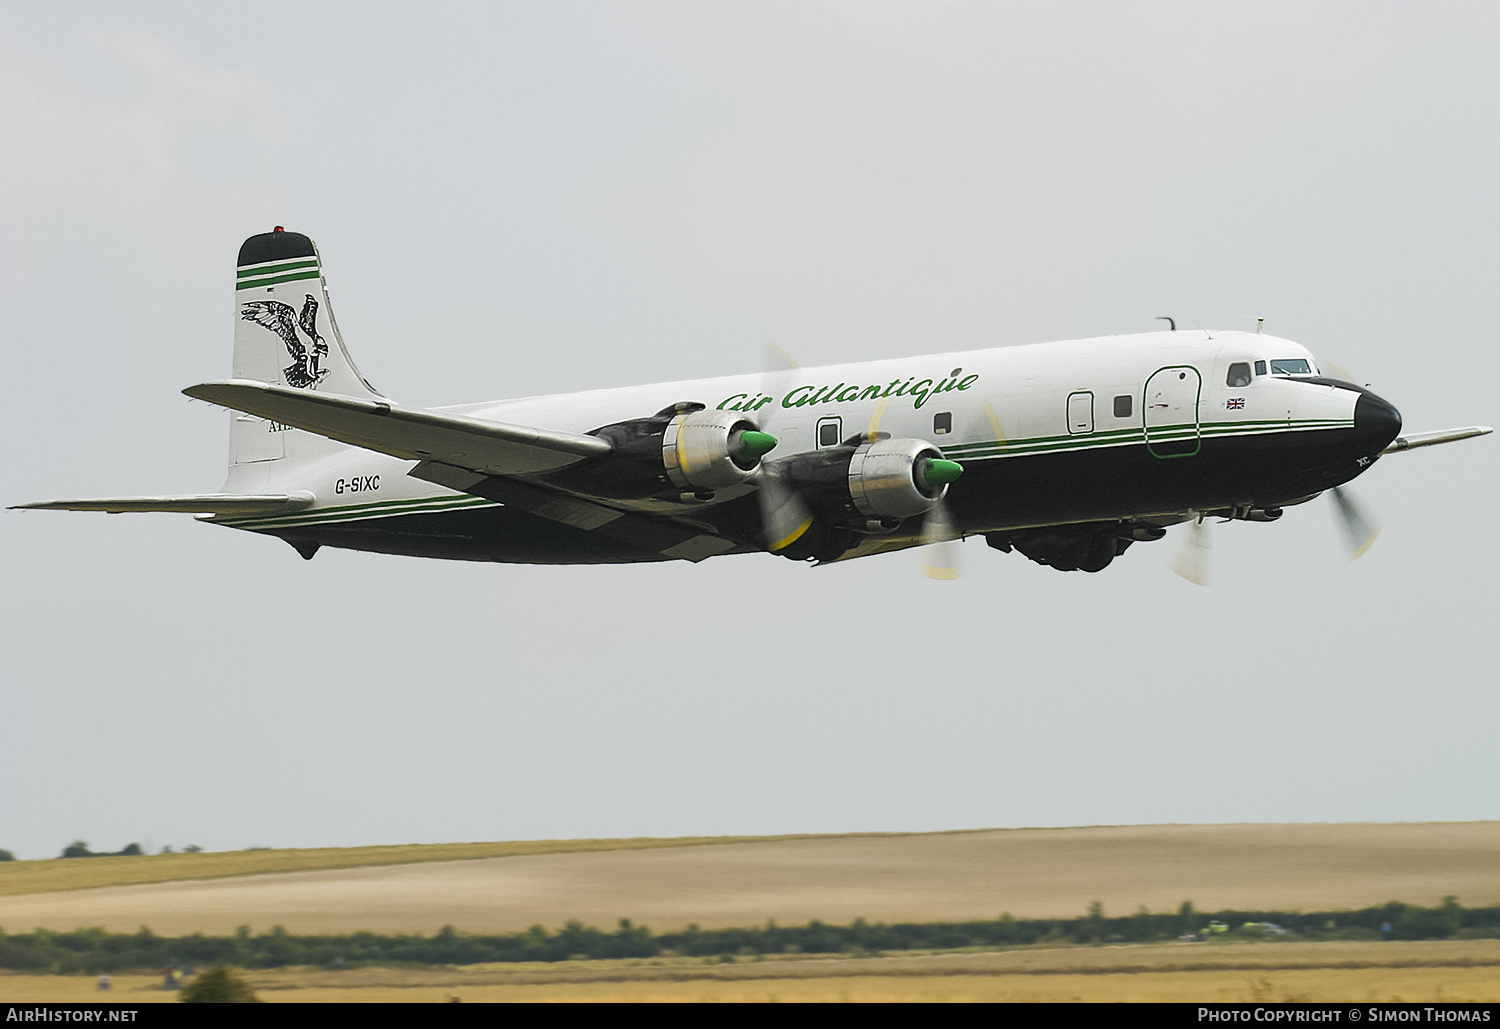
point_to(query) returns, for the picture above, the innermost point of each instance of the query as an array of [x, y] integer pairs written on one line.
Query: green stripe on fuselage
[[1136, 436]]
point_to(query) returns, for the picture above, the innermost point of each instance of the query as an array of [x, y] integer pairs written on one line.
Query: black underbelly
[[1109, 483]]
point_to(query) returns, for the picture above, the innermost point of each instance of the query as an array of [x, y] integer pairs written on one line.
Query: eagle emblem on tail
[[306, 369]]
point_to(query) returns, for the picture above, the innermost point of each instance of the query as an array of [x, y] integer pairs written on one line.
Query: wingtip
[[40, 505]]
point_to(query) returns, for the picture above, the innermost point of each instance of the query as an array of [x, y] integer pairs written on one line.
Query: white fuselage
[[979, 405]]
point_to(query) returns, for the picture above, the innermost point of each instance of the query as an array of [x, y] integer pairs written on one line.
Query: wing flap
[[490, 448], [191, 503]]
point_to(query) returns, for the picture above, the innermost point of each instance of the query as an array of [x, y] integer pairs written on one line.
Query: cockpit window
[[1293, 366], [1239, 374], [1260, 367]]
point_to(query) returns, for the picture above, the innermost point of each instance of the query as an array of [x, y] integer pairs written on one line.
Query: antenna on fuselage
[[1169, 320], [1260, 323]]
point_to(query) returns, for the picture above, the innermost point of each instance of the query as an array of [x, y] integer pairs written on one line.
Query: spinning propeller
[[1358, 527], [940, 537], [786, 515]]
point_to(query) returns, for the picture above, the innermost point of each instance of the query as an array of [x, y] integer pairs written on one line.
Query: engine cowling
[[881, 480], [710, 450], [864, 486], [898, 478], [681, 449]]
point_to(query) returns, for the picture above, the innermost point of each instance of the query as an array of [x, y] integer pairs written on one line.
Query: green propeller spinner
[[937, 473], [751, 446]]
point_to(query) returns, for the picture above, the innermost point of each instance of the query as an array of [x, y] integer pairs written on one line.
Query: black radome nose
[[1376, 422]]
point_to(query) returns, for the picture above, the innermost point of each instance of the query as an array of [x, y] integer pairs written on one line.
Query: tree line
[[80, 849], [95, 950]]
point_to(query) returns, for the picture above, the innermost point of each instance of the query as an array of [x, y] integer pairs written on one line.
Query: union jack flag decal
[[1235, 403]]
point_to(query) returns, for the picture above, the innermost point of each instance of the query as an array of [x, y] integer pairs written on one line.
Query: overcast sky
[[522, 198]]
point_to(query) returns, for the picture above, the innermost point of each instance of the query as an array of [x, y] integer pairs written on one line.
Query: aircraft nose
[[1376, 421]]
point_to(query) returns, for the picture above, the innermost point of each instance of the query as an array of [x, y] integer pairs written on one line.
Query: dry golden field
[[667, 884], [1249, 972], [47, 876]]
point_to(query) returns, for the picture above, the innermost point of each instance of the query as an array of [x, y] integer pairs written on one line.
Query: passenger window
[[1260, 367], [1122, 406], [1239, 374], [942, 423], [830, 432]]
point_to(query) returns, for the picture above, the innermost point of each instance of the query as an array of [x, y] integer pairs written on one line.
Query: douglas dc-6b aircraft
[[1067, 452]]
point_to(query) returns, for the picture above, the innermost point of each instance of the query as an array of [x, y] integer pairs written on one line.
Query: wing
[[1432, 439], [476, 444], [194, 503]]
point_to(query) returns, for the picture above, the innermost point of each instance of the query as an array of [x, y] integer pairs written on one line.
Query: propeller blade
[[1191, 560], [784, 515], [1336, 371], [940, 540], [776, 359], [1359, 528]]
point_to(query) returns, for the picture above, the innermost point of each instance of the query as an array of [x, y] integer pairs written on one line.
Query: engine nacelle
[[707, 450], [864, 486], [883, 480], [891, 478], [682, 449]]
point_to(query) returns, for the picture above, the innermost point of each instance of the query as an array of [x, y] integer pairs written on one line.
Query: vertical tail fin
[[284, 333]]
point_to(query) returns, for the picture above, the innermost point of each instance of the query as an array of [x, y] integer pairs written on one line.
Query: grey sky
[[524, 198]]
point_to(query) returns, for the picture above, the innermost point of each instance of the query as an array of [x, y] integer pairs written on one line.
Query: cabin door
[[1170, 405]]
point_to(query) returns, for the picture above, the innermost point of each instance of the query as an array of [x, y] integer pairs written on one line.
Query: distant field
[[47, 876], [1263, 972], [669, 884]]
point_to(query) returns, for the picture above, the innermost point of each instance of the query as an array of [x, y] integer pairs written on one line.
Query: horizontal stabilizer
[[1432, 439], [493, 448], [195, 503]]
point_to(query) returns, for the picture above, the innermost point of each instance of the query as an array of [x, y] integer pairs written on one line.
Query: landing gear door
[[1170, 404]]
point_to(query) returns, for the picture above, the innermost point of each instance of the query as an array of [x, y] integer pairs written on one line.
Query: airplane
[[1067, 452]]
